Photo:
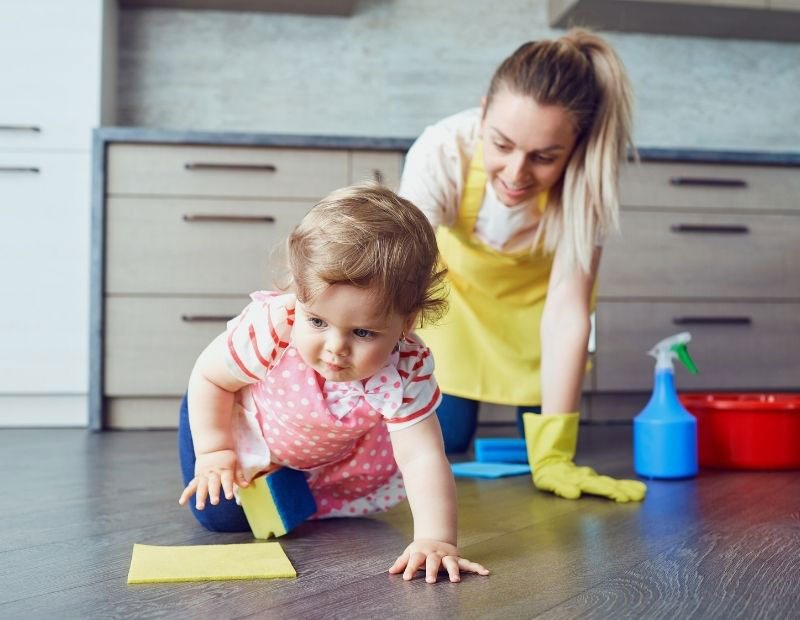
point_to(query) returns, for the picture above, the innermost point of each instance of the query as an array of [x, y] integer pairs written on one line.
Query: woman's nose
[[516, 168]]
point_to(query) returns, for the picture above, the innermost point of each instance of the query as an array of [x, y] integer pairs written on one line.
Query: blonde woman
[[522, 192]]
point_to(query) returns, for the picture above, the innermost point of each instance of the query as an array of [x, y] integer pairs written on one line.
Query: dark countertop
[[171, 136]]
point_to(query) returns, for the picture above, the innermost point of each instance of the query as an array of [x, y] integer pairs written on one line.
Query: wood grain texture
[[724, 545]]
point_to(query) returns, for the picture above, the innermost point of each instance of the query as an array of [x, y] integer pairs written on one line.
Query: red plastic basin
[[746, 430]]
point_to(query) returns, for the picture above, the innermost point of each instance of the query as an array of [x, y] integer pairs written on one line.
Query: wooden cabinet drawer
[[152, 343], [706, 255], [180, 170], [706, 186], [196, 246], [735, 345], [384, 168]]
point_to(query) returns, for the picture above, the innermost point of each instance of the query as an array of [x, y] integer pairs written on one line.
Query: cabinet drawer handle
[[33, 128], [712, 320], [706, 182], [199, 165], [196, 217], [733, 229], [377, 176], [205, 318], [32, 169]]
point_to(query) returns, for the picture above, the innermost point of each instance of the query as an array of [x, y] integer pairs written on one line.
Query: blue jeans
[[458, 418], [226, 516]]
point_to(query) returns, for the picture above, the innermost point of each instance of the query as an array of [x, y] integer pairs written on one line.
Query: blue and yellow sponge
[[277, 502]]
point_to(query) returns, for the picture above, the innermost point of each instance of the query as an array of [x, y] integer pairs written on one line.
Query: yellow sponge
[[155, 564], [277, 502]]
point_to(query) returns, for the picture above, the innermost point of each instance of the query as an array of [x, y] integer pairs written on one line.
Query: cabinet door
[[50, 63], [384, 168], [702, 255], [737, 346], [197, 247], [44, 268], [152, 343]]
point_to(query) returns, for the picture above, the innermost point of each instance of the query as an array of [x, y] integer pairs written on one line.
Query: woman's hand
[[431, 555], [212, 470]]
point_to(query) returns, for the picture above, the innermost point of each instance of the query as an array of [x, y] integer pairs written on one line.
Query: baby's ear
[[410, 323]]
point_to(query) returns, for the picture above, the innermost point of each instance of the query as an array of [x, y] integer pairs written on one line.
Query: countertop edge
[[388, 143]]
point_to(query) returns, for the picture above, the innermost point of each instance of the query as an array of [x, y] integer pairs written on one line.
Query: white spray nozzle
[[671, 348]]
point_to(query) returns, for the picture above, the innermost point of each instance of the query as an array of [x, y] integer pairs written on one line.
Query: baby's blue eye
[[316, 322], [362, 333]]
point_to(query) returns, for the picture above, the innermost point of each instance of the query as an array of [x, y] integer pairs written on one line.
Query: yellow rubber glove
[[551, 441]]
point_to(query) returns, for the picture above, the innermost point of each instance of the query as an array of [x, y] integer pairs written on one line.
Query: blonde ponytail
[[581, 72]]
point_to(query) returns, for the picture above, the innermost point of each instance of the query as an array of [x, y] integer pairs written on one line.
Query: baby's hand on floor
[[212, 470], [431, 555]]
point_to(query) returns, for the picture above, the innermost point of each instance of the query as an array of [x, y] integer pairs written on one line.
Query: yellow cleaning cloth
[[151, 564]]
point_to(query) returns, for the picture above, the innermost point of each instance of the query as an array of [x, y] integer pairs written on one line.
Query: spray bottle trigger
[[683, 355]]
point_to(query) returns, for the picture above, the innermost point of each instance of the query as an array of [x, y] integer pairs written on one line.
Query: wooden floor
[[725, 545]]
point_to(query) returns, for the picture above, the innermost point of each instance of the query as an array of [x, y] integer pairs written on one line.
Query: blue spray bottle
[[664, 433]]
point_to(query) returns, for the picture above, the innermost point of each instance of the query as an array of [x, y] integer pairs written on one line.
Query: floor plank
[[724, 545]]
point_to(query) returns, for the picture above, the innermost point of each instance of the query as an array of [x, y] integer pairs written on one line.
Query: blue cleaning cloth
[[474, 469], [492, 450]]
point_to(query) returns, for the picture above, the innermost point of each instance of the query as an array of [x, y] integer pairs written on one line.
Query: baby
[[327, 378]]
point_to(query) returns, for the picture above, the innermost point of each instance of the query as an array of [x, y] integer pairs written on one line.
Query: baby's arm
[[212, 389], [428, 479]]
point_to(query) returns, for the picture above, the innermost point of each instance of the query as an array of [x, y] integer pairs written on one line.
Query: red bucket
[[746, 430]]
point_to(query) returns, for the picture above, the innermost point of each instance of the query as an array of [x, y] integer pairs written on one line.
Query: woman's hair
[[582, 73], [367, 236]]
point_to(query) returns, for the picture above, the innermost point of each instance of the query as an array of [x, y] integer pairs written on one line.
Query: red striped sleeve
[[419, 413]]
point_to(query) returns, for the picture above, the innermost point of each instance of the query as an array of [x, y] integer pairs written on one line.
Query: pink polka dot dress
[[336, 432]]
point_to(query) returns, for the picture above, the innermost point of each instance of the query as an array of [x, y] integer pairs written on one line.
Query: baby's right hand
[[210, 471]]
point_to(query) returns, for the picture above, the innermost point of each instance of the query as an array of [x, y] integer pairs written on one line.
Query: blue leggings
[[458, 418], [226, 516]]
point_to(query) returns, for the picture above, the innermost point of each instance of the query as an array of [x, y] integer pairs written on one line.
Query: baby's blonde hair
[[581, 72], [368, 236]]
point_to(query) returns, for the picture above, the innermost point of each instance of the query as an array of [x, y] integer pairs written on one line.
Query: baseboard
[[44, 410]]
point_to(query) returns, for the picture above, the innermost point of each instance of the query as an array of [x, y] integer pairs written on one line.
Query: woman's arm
[[428, 479], [565, 333]]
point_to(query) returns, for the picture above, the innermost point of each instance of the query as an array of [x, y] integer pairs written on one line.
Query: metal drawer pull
[[33, 128], [712, 320], [198, 165], [205, 318], [734, 229], [377, 176], [197, 217], [706, 182], [19, 169]]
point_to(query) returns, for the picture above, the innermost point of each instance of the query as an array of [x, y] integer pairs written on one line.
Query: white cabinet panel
[[51, 63], [44, 270]]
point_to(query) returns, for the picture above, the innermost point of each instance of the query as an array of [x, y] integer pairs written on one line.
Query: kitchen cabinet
[[772, 20], [215, 217], [56, 60]]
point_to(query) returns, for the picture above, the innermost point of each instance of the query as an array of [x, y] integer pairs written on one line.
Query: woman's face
[[526, 146]]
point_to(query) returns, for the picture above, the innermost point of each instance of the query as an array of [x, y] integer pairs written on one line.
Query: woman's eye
[[503, 148], [363, 333], [543, 160], [316, 322]]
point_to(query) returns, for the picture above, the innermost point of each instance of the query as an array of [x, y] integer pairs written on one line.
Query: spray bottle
[[664, 433]]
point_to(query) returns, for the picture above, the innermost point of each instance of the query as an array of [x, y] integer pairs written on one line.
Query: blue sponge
[[501, 451], [277, 502]]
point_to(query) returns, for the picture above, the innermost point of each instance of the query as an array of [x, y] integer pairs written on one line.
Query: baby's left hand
[[430, 555]]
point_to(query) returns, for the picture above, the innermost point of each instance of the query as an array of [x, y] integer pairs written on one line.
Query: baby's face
[[343, 335]]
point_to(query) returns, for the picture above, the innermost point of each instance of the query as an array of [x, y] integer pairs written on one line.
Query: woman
[[522, 192]]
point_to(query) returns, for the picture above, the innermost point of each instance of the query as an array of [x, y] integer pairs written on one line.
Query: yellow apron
[[487, 346]]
